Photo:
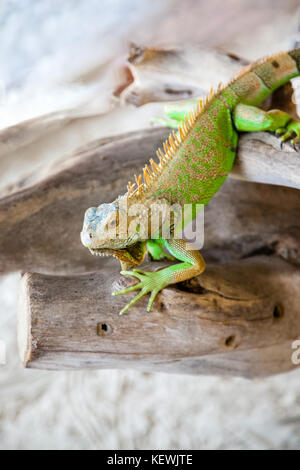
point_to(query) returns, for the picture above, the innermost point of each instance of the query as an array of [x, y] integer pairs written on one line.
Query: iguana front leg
[[252, 119], [192, 265], [156, 250]]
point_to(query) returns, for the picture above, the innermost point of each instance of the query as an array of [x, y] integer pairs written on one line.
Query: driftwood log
[[240, 317]]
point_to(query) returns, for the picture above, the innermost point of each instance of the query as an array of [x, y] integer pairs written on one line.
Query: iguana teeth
[[95, 252]]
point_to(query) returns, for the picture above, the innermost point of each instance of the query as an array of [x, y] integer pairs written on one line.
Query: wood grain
[[174, 74]]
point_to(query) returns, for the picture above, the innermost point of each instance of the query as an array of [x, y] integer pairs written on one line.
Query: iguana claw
[[292, 129]]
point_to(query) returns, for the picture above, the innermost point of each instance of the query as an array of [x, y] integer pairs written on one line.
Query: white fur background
[[119, 409]]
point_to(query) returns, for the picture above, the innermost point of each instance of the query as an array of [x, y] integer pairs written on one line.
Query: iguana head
[[105, 232], [122, 227]]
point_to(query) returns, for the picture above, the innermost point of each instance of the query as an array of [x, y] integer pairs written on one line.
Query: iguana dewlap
[[193, 166]]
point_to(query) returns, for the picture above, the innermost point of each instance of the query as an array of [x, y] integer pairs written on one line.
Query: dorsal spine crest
[[170, 146]]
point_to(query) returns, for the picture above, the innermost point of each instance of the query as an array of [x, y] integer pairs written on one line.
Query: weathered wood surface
[[238, 318], [174, 74], [40, 224]]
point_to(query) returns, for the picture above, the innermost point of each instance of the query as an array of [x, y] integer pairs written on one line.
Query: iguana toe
[[290, 133], [152, 282]]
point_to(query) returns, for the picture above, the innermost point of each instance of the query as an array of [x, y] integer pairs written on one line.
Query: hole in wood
[[229, 341], [103, 329], [278, 312], [267, 250]]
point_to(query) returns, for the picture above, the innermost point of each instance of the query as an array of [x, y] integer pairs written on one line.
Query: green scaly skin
[[193, 168]]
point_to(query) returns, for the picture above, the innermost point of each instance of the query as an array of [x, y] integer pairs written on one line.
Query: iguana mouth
[[133, 254]]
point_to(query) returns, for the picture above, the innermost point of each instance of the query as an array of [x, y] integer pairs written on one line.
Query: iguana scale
[[193, 166]]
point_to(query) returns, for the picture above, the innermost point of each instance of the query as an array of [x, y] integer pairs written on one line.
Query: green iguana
[[193, 166]]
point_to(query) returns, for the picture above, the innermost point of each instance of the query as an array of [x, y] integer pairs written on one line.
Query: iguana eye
[[112, 224]]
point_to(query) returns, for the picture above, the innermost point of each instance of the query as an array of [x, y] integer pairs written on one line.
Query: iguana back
[[196, 162]]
